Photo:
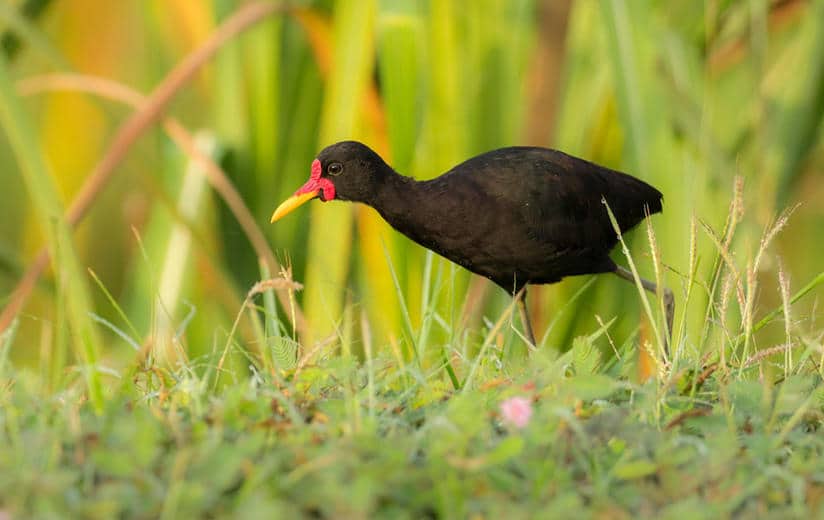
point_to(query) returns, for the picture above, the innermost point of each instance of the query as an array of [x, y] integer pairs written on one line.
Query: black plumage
[[518, 215]]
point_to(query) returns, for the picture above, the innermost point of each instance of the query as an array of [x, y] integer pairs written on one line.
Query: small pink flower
[[517, 411]]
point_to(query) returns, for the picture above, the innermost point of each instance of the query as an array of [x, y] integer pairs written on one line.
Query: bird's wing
[[561, 198], [556, 196], [567, 209]]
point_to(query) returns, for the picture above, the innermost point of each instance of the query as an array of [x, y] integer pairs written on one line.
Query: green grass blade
[[400, 40], [263, 45], [629, 84], [177, 251], [6, 341], [43, 192], [330, 236], [812, 284], [407, 321], [800, 124], [117, 307]]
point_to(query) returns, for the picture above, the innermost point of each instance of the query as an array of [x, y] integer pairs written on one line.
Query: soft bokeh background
[[686, 95]]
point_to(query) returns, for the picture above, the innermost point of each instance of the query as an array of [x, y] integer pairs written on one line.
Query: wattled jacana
[[519, 215]]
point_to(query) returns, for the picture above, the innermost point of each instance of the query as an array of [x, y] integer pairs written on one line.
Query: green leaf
[[284, 351], [634, 469], [586, 358]]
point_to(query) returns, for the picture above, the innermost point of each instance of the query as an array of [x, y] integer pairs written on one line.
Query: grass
[[344, 436], [339, 435], [189, 374]]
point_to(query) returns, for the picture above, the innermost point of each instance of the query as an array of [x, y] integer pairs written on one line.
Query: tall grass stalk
[[72, 287], [330, 236]]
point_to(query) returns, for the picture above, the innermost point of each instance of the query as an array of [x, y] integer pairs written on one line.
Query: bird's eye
[[335, 168]]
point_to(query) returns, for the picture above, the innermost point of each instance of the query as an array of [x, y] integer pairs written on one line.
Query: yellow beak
[[291, 203]]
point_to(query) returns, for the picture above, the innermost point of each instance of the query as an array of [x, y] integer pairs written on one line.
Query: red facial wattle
[[318, 184]]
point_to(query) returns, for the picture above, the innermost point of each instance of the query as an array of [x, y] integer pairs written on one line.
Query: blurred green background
[[684, 94]]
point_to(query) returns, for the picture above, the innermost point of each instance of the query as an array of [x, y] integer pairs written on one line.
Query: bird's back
[[528, 215], [561, 185]]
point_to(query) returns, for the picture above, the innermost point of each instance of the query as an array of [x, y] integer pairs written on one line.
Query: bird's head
[[347, 170]]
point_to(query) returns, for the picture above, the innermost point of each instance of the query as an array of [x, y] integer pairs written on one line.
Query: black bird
[[518, 216]]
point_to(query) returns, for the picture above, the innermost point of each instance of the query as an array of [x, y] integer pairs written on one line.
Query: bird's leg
[[520, 299], [669, 300]]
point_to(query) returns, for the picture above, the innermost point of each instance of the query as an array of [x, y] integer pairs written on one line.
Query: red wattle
[[316, 170], [318, 183]]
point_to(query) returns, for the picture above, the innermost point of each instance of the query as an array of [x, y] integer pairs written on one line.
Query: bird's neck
[[405, 204]]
